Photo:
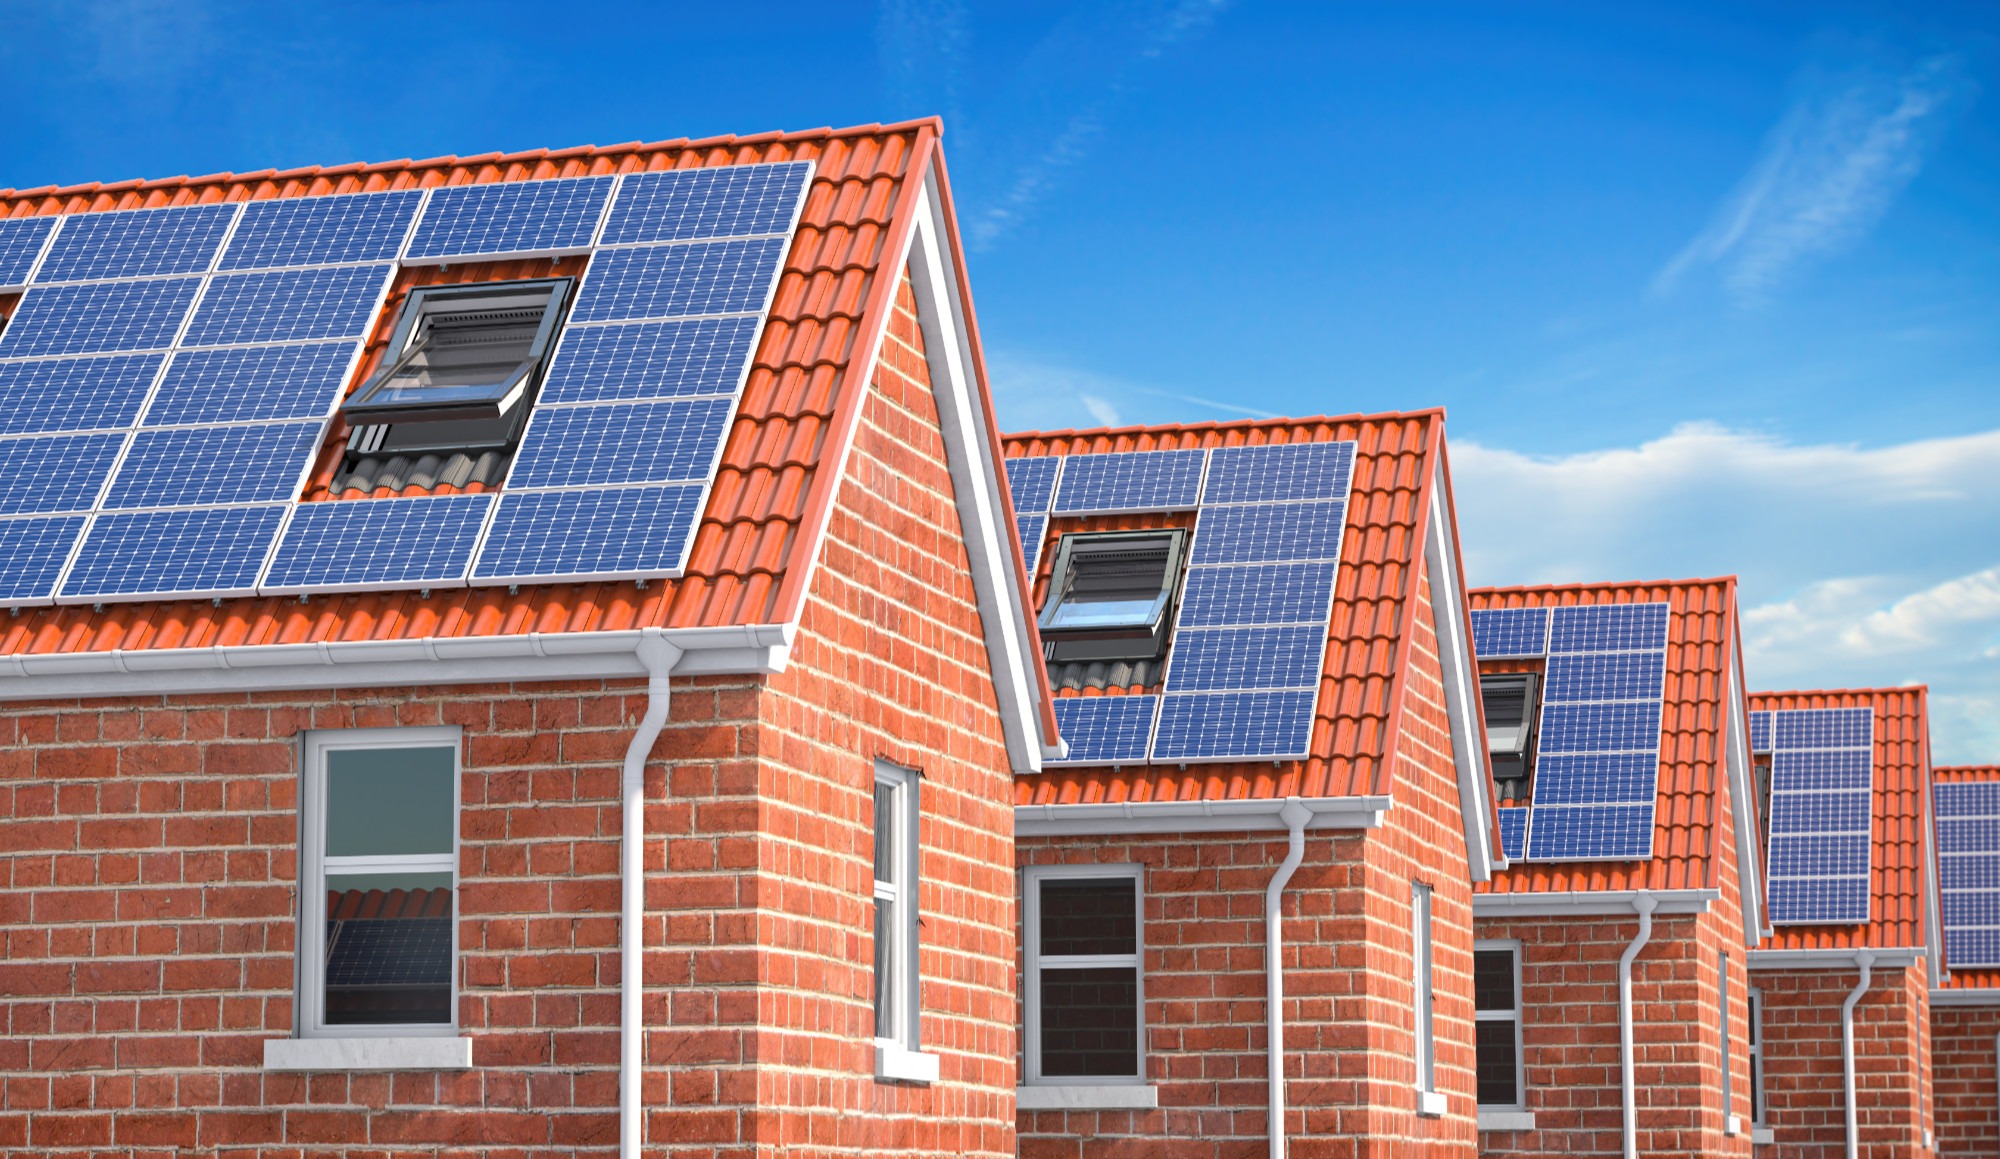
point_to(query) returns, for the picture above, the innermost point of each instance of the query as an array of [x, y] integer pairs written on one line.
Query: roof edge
[[1918, 686], [1894, 957], [1134, 817], [1603, 903], [1976, 996], [1687, 581], [1436, 412]]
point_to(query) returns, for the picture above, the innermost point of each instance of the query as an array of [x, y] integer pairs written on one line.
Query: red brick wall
[[1965, 1080], [1805, 1104]]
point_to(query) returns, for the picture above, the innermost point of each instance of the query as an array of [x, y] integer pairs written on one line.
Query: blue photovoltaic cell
[[1510, 632], [1606, 676], [1966, 799], [247, 383], [1601, 728], [1230, 725], [288, 306], [645, 442], [1823, 728], [679, 281], [1275, 474], [21, 241], [1283, 593], [1597, 779], [1975, 871], [1820, 855], [1608, 628], [1129, 481], [1219, 659], [74, 394], [47, 474], [194, 466], [210, 550], [1795, 770], [32, 554], [1513, 833], [1277, 533], [511, 217], [624, 531], [1031, 529], [415, 541], [1106, 729], [136, 243], [102, 318], [1972, 947], [1839, 812], [1795, 900], [1976, 908], [1760, 732], [1032, 483], [1969, 835], [691, 204], [650, 360], [313, 231], [1591, 832]]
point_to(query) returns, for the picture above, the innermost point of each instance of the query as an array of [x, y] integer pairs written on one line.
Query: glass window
[[1420, 919], [1496, 992], [1083, 965], [896, 1012], [1110, 595]]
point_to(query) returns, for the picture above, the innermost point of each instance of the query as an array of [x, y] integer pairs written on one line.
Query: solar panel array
[[1968, 845], [1249, 640], [1821, 823], [168, 376], [1597, 762]]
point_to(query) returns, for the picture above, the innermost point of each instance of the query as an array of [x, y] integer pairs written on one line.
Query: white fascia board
[[1461, 683], [1195, 816], [1891, 959], [1971, 996], [1587, 903], [756, 649], [975, 484], [1742, 799]]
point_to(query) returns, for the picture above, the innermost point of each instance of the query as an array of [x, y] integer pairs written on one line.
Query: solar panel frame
[[99, 318], [1629, 778], [458, 222], [416, 542], [45, 545], [1278, 473], [1600, 676], [1591, 832], [679, 205], [1968, 859], [23, 242], [241, 384], [669, 441], [1966, 799], [518, 547], [56, 474], [1821, 792], [1514, 833], [1031, 529], [1641, 627], [1118, 482], [95, 392], [1269, 533], [1760, 732], [1225, 726], [1244, 658], [1258, 594], [1971, 948], [1507, 632], [689, 280], [1101, 730], [1818, 900], [1031, 483], [640, 361], [127, 244], [214, 466], [281, 307], [210, 552], [268, 235]]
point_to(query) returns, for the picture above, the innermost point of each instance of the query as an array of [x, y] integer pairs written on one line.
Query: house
[[1841, 982], [521, 653], [1965, 1004], [1246, 888], [1611, 950]]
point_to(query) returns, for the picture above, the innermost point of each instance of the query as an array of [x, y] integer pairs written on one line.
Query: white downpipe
[[1295, 816], [1645, 906], [1866, 961], [659, 656]]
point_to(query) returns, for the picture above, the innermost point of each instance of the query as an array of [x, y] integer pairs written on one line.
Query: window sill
[[1506, 1120], [367, 1054], [1762, 1135], [900, 1064], [1430, 1104], [1082, 1097]]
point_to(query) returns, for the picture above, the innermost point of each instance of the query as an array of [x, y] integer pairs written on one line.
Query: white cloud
[[1037, 394]]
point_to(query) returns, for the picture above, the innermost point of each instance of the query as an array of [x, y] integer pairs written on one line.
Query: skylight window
[[1110, 595], [1509, 701]]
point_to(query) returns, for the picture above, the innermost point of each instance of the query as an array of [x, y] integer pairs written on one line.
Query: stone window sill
[[901, 1064], [1082, 1097], [1506, 1120], [368, 1054], [1430, 1104]]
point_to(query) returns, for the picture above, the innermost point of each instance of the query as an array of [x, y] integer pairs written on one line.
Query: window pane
[[885, 965], [885, 832], [1496, 1064], [1090, 1022], [1089, 915], [1107, 611], [1493, 979], [388, 801], [388, 948]]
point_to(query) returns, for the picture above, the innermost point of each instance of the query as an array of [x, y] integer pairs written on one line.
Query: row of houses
[[1157, 790]]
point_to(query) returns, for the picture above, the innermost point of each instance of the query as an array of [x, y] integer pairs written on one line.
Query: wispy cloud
[[1038, 394], [1827, 173], [921, 45]]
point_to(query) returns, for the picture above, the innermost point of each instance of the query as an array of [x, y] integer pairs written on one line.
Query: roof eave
[[1592, 903], [1231, 816]]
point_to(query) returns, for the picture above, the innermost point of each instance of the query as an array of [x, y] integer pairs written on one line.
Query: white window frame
[[1760, 1110], [898, 1054], [1512, 947], [1033, 963], [309, 1000], [1423, 1005], [1732, 1123]]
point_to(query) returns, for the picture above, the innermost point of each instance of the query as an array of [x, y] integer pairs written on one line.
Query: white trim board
[[1891, 959], [1461, 683], [1602, 903], [1196, 816]]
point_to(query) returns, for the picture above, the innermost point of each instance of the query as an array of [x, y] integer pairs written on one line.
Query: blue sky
[[1706, 289]]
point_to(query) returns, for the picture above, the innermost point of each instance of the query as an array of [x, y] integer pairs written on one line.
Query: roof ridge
[[1879, 690], [1228, 424], [1688, 581]]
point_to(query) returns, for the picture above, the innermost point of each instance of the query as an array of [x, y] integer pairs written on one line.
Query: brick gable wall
[[1805, 1103], [1967, 1082]]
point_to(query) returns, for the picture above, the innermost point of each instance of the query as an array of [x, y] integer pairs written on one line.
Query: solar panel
[[1969, 871], [1510, 632], [647, 442], [1608, 628], [1835, 900], [1513, 833], [651, 360], [1760, 732], [198, 466], [1980, 908], [1106, 729], [1624, 727], [720, 201], [1822, 779], [1590, 833], [1819, 855], [511, 218], [618, 533], [1031, 529], [104, 317], [1032, 483], [1235, 726], [1130, 481], [1967, 799], [249, 383], [1968, 859], [1276, 533], [416, 542], [21, 241], [1284, 593], [136, 243], [74, 394], [32, 554], [1605, 676], [48, 474], [1597, 778], [1272, 474], [1968, 835], [311, 231], [211, 551], [680, 281], [1808, 769], [1219, 659], [1823, 728], [1968, 948], [288, 306]]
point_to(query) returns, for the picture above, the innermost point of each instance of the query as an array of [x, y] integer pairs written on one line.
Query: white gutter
[[1593, 903], [1865, 960], [659, 656], [1893, 959], [1197, 816], [1645, 905], [1984, 996], [1295, 816]]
